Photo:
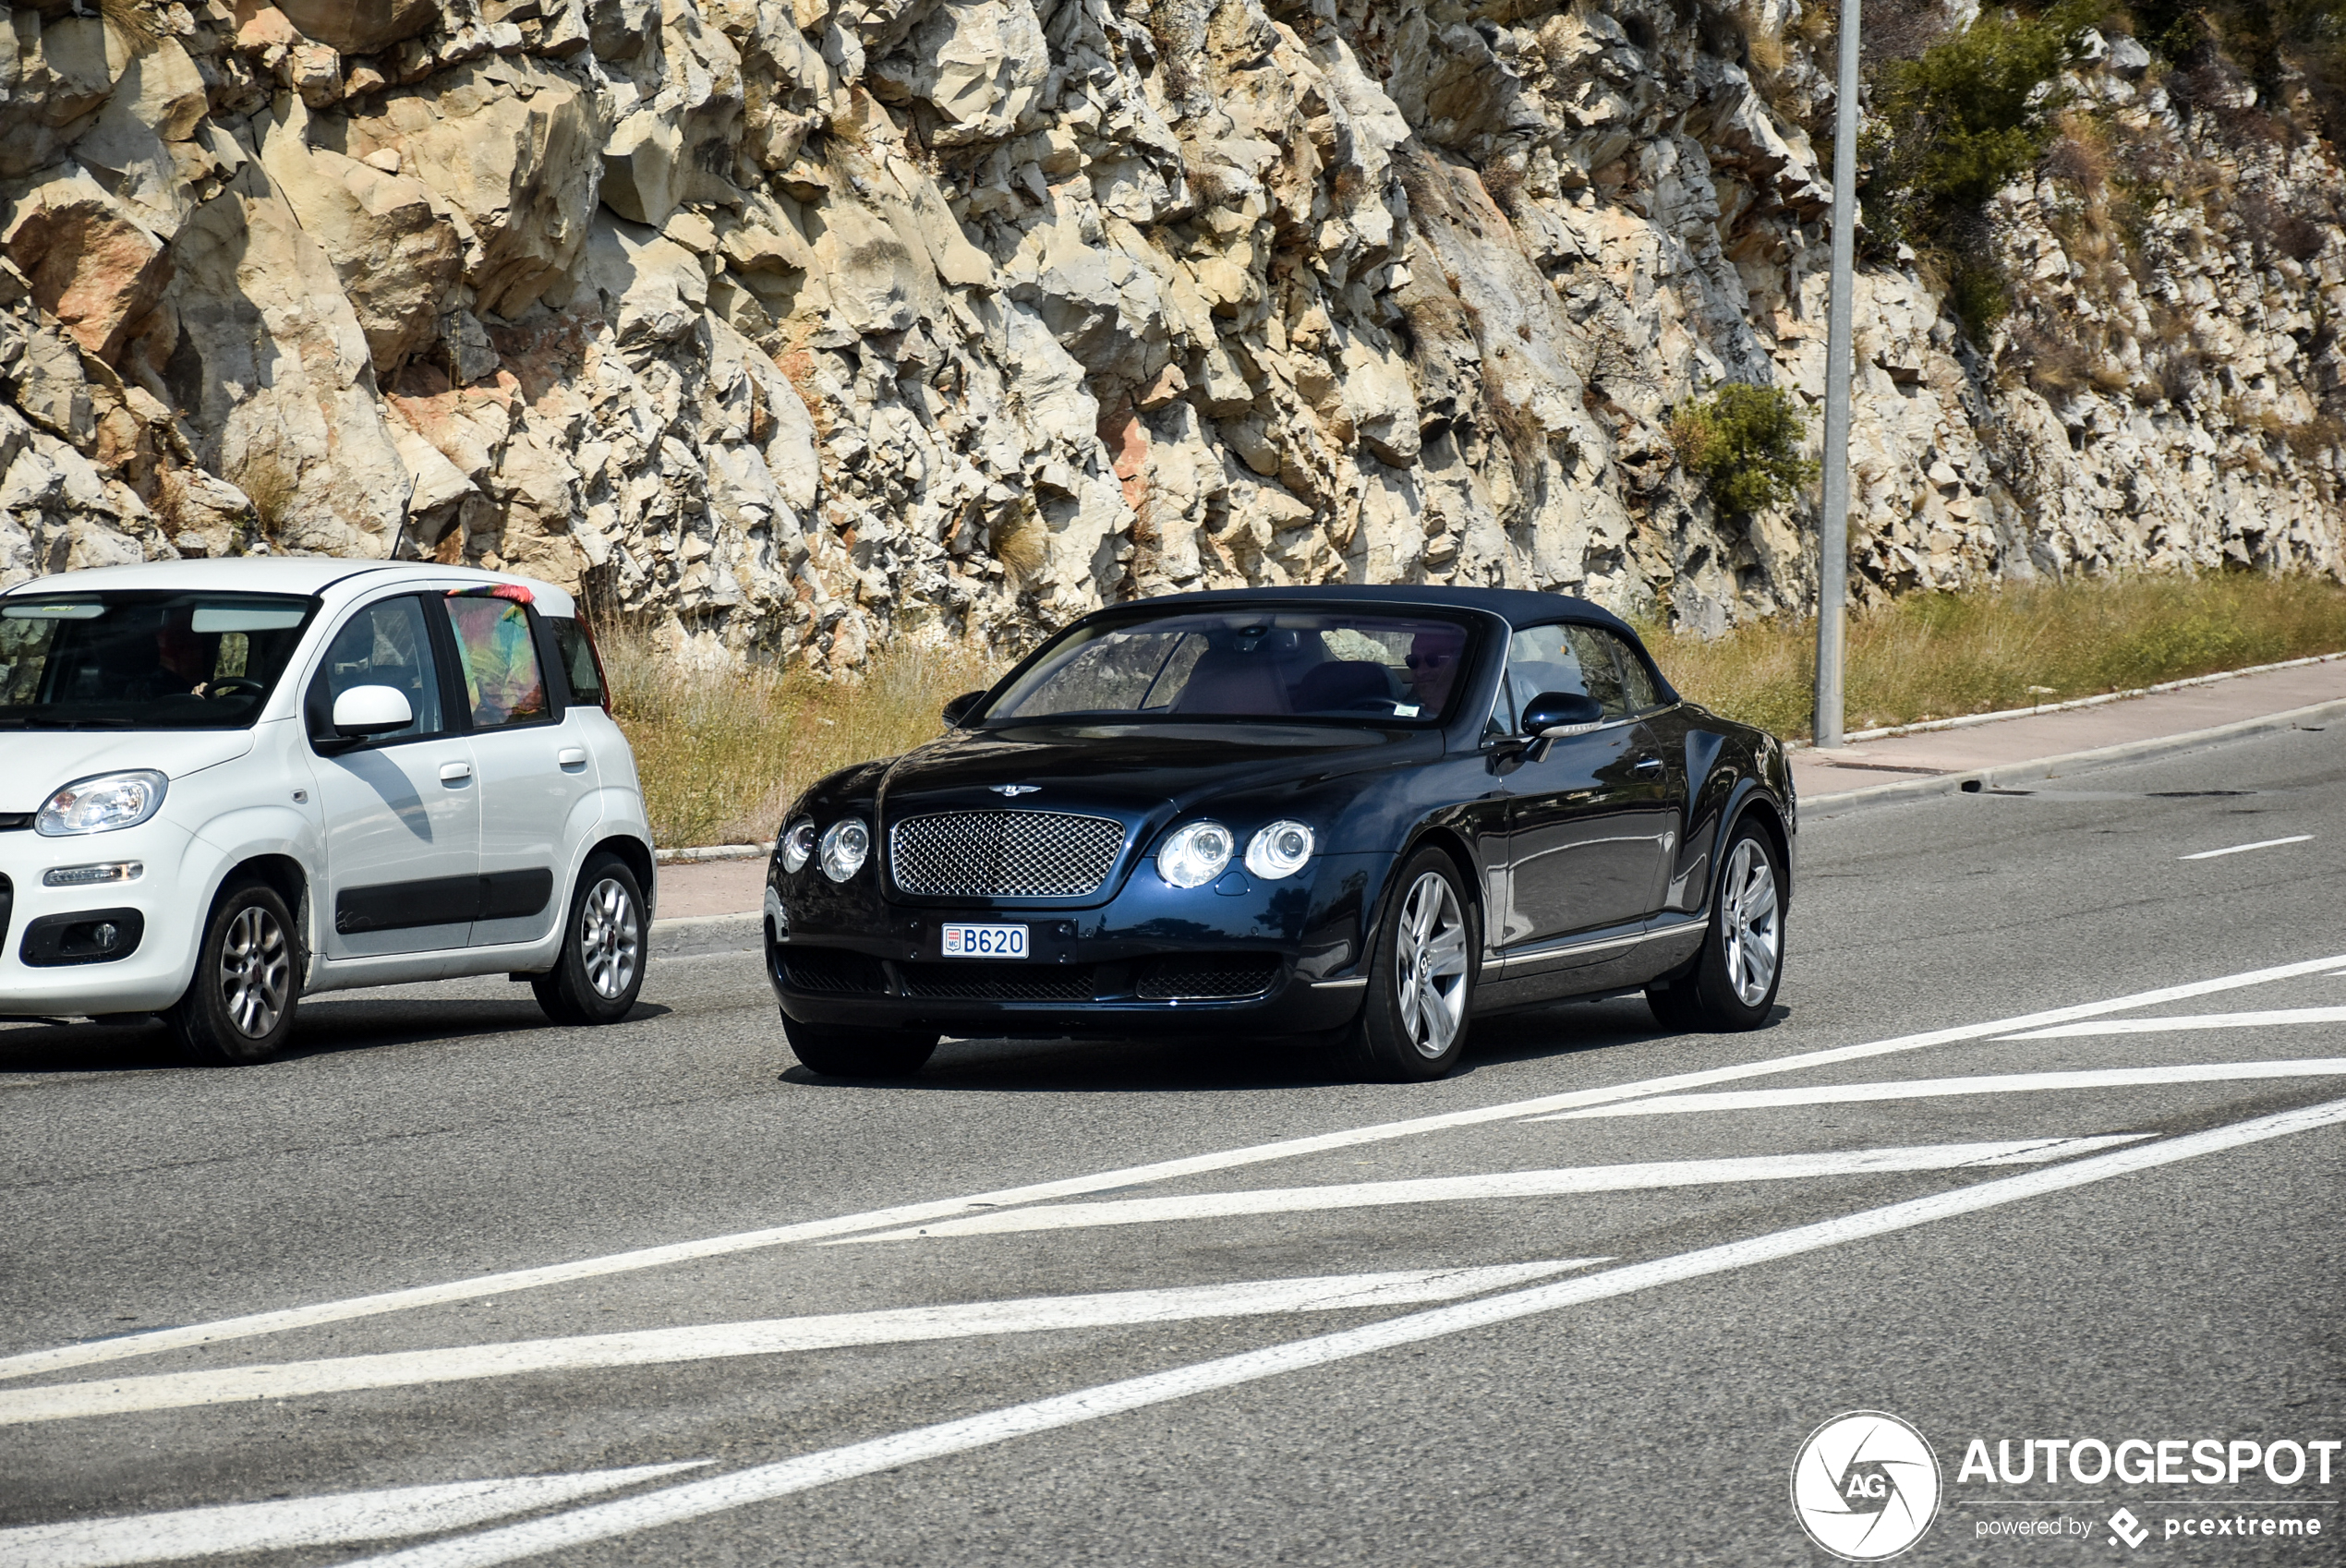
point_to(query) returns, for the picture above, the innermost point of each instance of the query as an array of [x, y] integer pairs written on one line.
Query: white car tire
[[605, 942], [238, 1008]]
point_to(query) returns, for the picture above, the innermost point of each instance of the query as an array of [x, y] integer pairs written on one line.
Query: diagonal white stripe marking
[[338, 1520], [1332, 1293], [2244, 849], [1506, 1184], [765, 1482], [1931, 1088], [29, 1363], [2191, 1020]]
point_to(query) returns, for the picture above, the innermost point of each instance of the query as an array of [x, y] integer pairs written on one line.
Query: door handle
[[455, 772], [571, 756], [1646, 765]]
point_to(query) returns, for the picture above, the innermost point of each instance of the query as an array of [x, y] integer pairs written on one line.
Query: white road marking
[[2190, 1021], [1505, 1184], [765, 1482], [337, 1520], [30, 1363], [1333, 1293], [2244, 849], [1932, 1088]]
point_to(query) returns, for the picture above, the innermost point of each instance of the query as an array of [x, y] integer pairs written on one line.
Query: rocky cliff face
[[799, 325]]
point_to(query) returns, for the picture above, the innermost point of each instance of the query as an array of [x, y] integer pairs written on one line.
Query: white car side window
[[387, 643]]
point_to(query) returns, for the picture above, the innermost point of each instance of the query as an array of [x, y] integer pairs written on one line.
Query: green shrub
[[1971, 110], [1743, 443], [1952, 125]]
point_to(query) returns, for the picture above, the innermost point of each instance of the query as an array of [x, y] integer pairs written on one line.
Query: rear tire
[[1412, 1027], [1733, 984], [601, 972], [238, 1008], [847, 1051]]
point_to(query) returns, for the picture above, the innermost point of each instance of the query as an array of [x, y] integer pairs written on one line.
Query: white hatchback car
[[230, 782]]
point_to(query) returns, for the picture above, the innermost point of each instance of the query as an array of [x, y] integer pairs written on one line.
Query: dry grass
[[1938, 656], [131, 23], [722, 752]]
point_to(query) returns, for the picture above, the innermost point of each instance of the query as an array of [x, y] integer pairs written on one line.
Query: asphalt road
[[1599, 1364]]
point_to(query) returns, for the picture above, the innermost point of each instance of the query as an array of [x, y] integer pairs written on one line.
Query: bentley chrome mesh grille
[[1003, 854]]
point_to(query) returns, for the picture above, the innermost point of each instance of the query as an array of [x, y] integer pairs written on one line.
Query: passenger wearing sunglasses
[[1433, 667]]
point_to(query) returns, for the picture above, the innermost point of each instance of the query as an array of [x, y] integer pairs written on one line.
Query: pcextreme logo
[[1865, 1486]]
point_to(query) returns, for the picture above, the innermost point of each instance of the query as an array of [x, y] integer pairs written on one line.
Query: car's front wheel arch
[[1433, 836]]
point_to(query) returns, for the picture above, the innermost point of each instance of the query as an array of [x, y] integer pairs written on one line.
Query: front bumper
[[1244, 956], [50, 965]]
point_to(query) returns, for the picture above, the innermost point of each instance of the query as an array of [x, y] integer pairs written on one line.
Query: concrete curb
[[698, 934], [713, 853], [1971, 780]]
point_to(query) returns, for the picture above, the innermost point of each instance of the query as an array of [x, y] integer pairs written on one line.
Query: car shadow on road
[[324, 1029], [1207, 1064]]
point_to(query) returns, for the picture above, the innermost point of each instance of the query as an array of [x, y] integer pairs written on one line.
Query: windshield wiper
[[34, 721]]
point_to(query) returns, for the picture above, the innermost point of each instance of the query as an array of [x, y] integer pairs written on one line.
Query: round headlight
[[1195, 855], [1279, 850], [798, 846], [844, 848], [102, 804]]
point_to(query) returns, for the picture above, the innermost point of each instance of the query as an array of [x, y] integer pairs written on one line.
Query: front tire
[[238, 1010], [1414, 1024], [1731, 986], [601, 972], [835, 1052]]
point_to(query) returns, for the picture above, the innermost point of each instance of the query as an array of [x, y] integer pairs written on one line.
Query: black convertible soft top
[[1518, 606]]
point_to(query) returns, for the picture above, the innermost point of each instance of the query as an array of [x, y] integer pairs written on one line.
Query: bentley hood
[[1135, 767]]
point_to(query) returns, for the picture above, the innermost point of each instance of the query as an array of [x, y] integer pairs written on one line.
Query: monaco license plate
[[983, 941]]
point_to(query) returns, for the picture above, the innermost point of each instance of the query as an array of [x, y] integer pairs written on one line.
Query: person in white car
[[224, 784]]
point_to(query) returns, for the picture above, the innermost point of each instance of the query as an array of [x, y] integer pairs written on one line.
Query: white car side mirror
[[372, 710]]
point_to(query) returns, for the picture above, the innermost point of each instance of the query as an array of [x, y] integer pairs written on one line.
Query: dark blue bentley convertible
[[1363, 815]]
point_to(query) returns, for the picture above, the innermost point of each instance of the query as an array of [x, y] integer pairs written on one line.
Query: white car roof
[[303, 574]]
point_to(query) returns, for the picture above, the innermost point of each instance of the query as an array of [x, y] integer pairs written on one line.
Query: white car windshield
[[144, 660], [1359, 666]]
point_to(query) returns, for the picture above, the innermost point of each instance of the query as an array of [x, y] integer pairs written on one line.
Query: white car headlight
[[1195, 855], [102, 804], [1279, 850], [798, 846], [844, 847]]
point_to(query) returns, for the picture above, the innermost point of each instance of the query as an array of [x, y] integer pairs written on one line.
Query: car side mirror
[[961, 708], [1556, 716], [371, 710]]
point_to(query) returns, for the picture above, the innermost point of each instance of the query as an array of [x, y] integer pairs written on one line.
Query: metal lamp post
[[1832, 522]]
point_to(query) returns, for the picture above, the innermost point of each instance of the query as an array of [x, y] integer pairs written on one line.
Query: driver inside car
[[1433, 667], [183, 663]]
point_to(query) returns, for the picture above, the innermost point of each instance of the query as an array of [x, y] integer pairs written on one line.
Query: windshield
[[144, 660], [1239, 663]]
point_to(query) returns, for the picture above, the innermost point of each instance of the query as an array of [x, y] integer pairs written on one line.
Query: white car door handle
[[571, 756], [455, 772]]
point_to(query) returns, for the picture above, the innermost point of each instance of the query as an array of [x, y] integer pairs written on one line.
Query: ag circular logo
[[1865, 1486]]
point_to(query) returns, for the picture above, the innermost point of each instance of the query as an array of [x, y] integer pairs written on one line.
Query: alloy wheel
[[1749, 923], [1430, 955], [609, 938], [256, 970]]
